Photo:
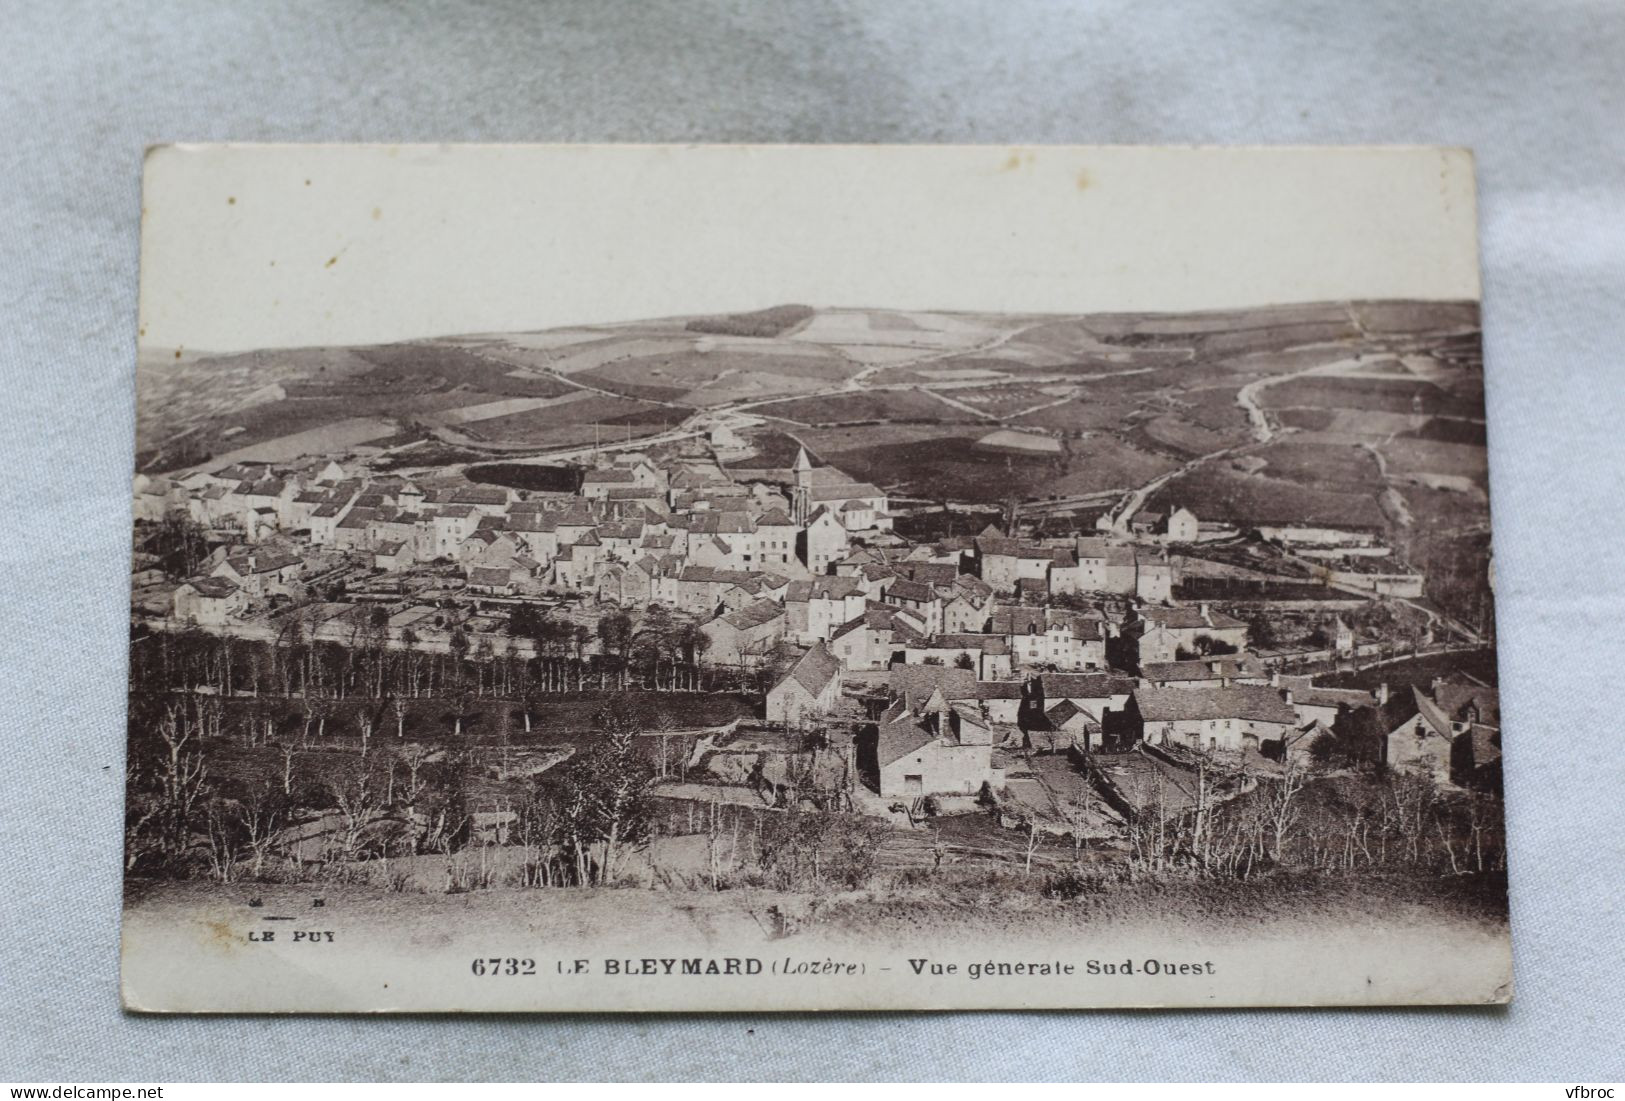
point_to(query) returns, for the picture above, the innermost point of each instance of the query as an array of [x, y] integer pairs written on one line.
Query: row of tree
[[1233, 827], [654, 652]]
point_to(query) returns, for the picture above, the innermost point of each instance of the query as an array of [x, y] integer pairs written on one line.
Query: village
[[1050, 685]]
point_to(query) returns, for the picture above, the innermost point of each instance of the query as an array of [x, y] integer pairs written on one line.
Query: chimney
[[1275, 678], [1207, 616], [1382, 694], [1288, 695]]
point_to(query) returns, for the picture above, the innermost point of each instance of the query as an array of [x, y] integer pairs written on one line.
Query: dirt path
[[1265, 431]]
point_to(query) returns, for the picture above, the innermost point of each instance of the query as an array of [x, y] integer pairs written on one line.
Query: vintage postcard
[[641, 578]]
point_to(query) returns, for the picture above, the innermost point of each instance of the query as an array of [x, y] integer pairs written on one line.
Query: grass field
[[948, 468], [1382, 394], [1178, 434], [1412, 456], [531, 476], [705, 375], [1449, 430], [1221, 493], [575, 418], [907, 406], [769, 448], [1341, 468]]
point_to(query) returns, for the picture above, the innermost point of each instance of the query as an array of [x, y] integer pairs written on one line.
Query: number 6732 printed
[[502, 965]]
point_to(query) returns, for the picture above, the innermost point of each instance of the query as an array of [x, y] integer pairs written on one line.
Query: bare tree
[[414, 756], [462, 704], [1032, 842], [259, 816], [358, 801], [182, 778], [1080, 811], [1282, 808], [140, 816], [224, 838], [290, 753], [622, 780], [1410, 803]]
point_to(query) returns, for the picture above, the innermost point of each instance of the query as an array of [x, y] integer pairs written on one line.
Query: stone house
[[743, 636], [939, 749], [208, 601], [811, 688], [1222, 719]]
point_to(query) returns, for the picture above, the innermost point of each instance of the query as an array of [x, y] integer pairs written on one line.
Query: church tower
[[802, 507]]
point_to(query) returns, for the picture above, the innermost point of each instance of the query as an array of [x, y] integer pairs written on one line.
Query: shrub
[[1069, 885]]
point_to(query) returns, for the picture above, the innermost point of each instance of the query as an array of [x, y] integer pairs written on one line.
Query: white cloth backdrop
[[1537, 89]]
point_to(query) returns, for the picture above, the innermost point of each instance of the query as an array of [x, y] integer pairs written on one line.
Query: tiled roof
[[710, 575], [1084, 686], [609, 476], [1257, 702], [213, 587], [816, 669], [1189, 619], [901, 733], [917, 591], [1063, 711], [721, 523], [476, 495], [823, 588], [919, 681], [988, 644], [1015, 619], [754, 615], [1203, 669]]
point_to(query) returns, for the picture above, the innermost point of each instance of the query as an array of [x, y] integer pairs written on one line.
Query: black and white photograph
[[802, 620]]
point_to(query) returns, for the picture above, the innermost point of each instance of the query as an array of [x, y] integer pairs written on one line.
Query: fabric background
[[1538, 90]]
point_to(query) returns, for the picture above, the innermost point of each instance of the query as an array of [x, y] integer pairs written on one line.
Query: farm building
[[1211, 672], [1068, 725], [873, 639], [988, 656], [817, 607], [1093, 693], [1048, 636], [1001, 699], [1313, 534], [208, 601], [1003, 563], [1448, 732], [1095, 566], [1190, 628], [811, 688], [918, 682], [1181, 526], [1226, 719], [939, 749], [740, 636]]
